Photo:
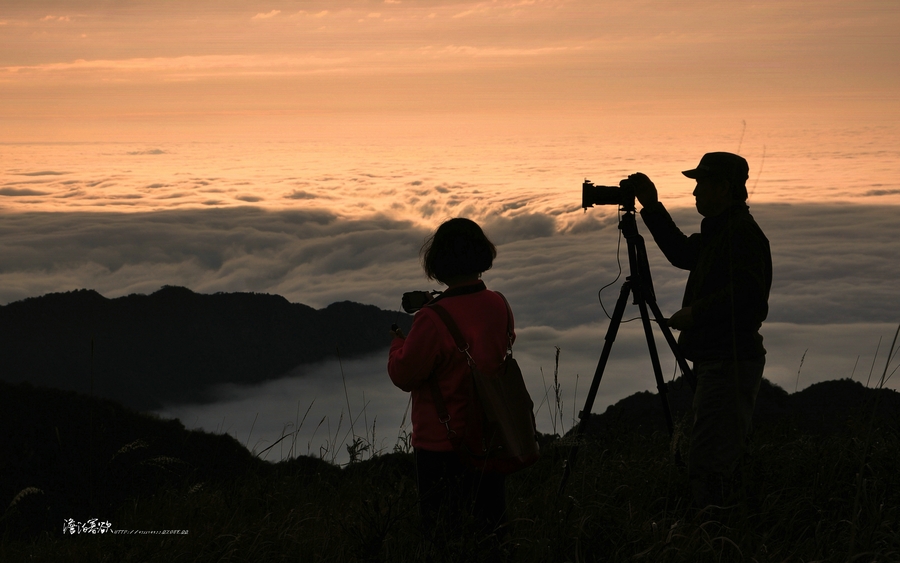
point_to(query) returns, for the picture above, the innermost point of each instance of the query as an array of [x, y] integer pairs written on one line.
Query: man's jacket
[[728, 287]]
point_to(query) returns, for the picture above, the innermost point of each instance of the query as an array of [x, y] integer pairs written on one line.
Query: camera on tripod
[[621, 195], [638, 285]]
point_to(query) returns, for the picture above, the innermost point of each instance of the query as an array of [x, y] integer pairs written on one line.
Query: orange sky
[[160, 70]]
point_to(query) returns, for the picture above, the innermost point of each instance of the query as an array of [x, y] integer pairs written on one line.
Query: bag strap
[[436, 395], [458, 338], [509, 322], [441, 407], [462, 346]]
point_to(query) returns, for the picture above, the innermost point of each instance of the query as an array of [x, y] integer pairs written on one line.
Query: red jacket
[[483, 320]]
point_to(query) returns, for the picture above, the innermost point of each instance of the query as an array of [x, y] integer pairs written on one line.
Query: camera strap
[[466, 289]]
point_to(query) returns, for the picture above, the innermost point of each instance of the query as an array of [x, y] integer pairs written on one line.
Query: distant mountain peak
[[168, 290]]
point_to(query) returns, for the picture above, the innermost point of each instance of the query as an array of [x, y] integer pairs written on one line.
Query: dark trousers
[[455, 499], [723, 411]]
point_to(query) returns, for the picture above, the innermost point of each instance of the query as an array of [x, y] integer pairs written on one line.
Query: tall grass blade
[[298, 426], [557, 393], [797, 384], [547, 401], [890, 357], [872, 369], [251, 431], [346, 395], [575, 404]]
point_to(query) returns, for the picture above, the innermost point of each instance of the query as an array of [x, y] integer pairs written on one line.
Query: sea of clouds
[[834, 298], [319, 222]]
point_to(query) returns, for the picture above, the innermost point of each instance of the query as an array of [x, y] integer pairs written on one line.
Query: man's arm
[[681, 250]]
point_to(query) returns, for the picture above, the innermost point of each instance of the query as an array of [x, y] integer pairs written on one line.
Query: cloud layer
[[833, 298], [429, 178], [833, 263]]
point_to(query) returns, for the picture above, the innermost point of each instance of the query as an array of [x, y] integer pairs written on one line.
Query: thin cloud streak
[[208, 65], [423, 60], [265, 16]]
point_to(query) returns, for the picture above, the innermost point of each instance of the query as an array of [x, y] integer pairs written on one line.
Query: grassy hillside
[[809, 495]]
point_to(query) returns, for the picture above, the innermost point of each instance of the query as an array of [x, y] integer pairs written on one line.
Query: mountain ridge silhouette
[[822, 408], [173, 345]]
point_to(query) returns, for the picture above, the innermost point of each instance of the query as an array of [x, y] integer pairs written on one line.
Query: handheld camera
[[415, 300]]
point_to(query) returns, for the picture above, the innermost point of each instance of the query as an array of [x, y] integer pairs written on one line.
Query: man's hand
[[644, 190], [397, 332], [682, 319]]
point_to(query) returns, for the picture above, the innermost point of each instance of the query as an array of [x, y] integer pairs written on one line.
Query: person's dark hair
[[458, 247]]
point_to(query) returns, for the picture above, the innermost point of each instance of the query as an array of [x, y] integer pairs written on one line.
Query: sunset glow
[[153, 70]]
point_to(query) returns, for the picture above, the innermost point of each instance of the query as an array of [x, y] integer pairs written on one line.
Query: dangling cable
[[618, 275]]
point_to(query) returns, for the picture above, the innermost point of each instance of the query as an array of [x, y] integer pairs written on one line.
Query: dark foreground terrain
[[822, 484]]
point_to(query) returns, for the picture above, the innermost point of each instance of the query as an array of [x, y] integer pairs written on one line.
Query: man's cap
[[723, 165]]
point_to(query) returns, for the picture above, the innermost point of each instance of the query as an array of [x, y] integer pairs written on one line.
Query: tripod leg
[[585, 414], [673, 344], [654, 359]]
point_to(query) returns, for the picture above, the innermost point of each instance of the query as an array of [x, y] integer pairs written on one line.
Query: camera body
[[621, 195], [415, 300]]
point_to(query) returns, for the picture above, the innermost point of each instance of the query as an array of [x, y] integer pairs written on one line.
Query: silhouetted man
[[725, 302]]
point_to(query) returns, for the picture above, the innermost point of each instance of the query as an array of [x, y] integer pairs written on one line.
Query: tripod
[[640, 285]]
